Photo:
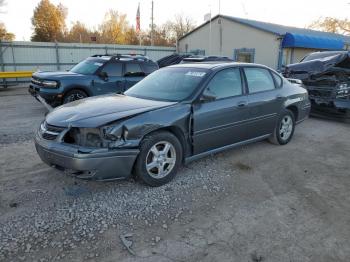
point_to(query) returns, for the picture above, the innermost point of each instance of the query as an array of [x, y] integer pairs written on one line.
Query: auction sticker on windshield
[[198, 74]]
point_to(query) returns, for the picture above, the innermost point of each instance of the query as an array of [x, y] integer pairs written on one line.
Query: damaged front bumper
[[85, 163], [326, 101]]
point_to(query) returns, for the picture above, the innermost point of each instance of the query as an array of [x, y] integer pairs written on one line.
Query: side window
[[278, 79], [132, 68], [226, 83], [259, 79], [113, 69]]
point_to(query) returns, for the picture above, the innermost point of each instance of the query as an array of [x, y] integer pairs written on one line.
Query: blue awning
[[316, 42]]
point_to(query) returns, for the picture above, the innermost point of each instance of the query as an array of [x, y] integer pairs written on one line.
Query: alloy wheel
[[161, 159], [286, 127]]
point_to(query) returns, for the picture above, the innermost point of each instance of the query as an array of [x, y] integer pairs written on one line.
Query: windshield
[[88, 66], [319, 55], [168, 84]]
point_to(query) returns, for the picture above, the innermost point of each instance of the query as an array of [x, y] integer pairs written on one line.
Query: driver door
[[220, 120], [110, 79]]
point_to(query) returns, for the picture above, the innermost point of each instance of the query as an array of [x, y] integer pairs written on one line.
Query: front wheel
[[159, 159], [73, 95], [284, 129]]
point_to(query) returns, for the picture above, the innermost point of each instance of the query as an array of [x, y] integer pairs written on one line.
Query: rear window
[[149, 68], [132, 68], [259, 79]]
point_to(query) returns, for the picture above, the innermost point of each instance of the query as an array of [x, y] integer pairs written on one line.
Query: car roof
[[216, 65]]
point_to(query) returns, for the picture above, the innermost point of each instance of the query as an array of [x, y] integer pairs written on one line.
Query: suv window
[[132, 68], [149, 68], [113, 69], [259, 79], [226, 83]]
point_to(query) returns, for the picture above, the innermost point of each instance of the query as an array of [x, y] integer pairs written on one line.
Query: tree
[[78, 33], [332, 25], [180, 26], [4, 35], [49, 22], [131, 37], [113, 28]]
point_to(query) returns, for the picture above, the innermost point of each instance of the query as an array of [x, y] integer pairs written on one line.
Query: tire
[[162, 166], [284, 129], [74, 95]]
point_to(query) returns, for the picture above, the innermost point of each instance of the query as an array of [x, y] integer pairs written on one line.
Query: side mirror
[[103, 75], [207, 96]]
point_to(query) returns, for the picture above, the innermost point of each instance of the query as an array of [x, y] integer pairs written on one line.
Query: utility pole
[[152, 26]]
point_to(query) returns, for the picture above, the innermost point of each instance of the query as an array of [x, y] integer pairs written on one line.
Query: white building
[[259, 42]]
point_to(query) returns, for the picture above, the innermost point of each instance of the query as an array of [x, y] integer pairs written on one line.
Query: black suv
[[96, 75]]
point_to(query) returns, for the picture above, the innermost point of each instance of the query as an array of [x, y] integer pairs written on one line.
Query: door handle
[[242, 104], [279, 97]]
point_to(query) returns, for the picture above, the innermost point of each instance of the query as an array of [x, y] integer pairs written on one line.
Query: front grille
[[50, 132], [320, 93]]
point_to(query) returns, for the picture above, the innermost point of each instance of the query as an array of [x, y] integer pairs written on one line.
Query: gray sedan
[[175, 115]]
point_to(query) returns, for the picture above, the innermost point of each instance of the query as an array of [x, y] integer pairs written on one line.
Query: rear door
[[265, 100], [133, 73], [221, 122], [114, 82]]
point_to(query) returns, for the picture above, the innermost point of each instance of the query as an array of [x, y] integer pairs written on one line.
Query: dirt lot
[[257, 203]]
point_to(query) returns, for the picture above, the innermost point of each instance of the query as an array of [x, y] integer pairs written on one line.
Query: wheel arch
[[77, 87], [294, 109], [178, 133]]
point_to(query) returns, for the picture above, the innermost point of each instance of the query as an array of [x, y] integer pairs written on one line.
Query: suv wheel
[[73, 95], [159, 159], [284, 130]]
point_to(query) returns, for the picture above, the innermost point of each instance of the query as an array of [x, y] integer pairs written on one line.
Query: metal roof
[[277, 29]]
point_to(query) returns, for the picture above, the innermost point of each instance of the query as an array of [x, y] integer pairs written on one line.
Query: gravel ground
[[256, 203]]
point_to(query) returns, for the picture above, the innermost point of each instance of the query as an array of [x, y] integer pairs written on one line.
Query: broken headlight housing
[[87, 137], [115, 135], [343, 90]]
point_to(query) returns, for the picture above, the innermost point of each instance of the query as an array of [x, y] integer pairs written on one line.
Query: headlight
[[49, 84], [343, 89]]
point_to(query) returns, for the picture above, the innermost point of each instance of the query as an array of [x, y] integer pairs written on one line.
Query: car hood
[[101, 110], [56, 75], [303, 70]]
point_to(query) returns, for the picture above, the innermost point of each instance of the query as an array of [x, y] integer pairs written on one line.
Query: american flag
[[138, 20]]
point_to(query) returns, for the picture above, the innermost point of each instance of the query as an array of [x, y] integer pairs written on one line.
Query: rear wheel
[[73, 95], [159, 159], [284, 129]]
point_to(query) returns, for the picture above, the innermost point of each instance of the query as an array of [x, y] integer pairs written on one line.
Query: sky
[[17, 14]]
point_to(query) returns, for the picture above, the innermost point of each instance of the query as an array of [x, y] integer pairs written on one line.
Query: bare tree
[[332, 25]]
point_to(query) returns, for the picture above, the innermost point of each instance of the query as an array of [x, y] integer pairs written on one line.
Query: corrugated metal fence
[[33, 56]]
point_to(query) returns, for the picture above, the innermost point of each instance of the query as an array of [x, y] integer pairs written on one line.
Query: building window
[[198, 52], [244, 55]]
